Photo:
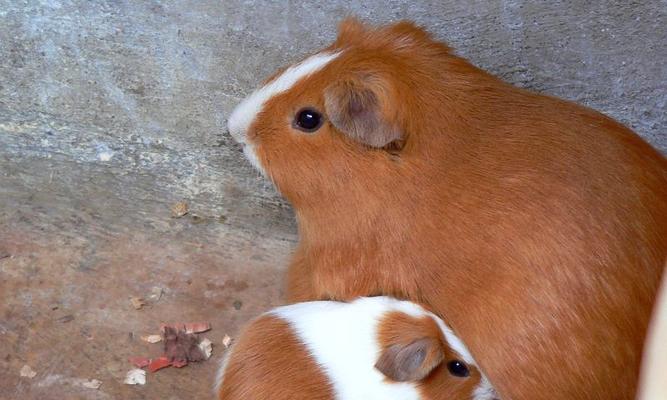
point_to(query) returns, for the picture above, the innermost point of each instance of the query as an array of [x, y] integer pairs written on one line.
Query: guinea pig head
[[339, 120], [423, 351]]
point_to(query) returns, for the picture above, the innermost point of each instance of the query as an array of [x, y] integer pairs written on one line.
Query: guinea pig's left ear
[[362, 109], [412, 361]]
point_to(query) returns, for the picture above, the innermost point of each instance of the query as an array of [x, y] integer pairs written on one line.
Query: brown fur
[[401, 331], [401, 338], [269, 363], [535, 226]]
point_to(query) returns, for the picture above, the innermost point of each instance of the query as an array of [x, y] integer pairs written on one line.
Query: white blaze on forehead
[[484, 390], [244, 114]]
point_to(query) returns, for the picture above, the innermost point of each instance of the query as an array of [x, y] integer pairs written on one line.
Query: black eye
[[308, 120], [458, 368]]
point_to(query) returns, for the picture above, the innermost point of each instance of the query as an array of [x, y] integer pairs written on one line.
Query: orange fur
[[536, 227], [270, 363], [403, 329]]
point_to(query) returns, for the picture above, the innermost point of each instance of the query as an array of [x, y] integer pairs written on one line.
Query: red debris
[[188, 327], [139, 362], [197, 327], [157, 364], [181, 346]]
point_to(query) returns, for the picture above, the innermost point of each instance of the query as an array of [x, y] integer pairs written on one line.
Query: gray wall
[[112, 111], [118, 107]]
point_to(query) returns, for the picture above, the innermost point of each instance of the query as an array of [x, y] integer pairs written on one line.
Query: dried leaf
[[180, 346], [135, 377], [66, 318], [139, 362], [157, 364], [137, 302], [179, 209], [189, 327], [197, 327], [92, 384], [27, 372]]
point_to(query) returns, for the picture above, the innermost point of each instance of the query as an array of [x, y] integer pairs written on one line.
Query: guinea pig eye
[[308, 120], [458, 368]]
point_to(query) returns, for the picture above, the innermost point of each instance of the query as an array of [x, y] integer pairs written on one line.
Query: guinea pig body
[[374, 348], [530, 223]]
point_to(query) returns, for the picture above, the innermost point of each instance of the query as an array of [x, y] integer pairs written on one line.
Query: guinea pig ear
[[359, 109], [411, 362], [350, 30]]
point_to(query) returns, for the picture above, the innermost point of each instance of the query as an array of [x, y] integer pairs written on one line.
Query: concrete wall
[[149, 84]]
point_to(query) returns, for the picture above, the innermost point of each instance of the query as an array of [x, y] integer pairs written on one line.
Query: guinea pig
[[535, 226], [374, 348]]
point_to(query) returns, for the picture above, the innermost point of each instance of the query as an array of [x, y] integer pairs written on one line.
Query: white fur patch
[[484, 390], [251, 155], [454, 342], [220, 376], [244, 114]]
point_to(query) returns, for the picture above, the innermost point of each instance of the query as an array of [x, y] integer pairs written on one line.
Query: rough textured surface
[[112, 111]]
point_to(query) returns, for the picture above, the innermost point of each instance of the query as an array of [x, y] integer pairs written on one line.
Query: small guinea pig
[[374, 348], [532, 224]]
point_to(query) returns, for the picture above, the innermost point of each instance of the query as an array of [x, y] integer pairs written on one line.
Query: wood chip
[[135, 377], [197, 327], [66, 318], [227, 341], [189, 327], [157, 364], [137, 302], [181, 346], [92, 384], [152, 338], [27, 372], [206, 348], [179, 209]]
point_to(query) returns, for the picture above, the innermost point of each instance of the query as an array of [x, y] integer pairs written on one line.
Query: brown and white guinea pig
[[537, 227], [374, 348]]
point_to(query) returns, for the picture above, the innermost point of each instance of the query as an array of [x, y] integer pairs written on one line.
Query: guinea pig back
[[536, 226]]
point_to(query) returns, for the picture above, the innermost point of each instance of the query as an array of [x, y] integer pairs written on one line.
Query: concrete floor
[[112, 111]]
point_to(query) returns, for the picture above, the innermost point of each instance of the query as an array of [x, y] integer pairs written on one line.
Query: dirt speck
[[179, 209]]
